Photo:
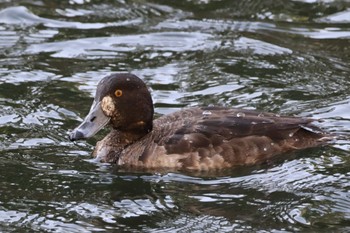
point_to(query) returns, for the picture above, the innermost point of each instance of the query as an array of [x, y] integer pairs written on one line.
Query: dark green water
[[289, 57]]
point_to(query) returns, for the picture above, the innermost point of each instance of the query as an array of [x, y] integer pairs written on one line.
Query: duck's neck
[[130, 137], [136, 129], [111, 146]]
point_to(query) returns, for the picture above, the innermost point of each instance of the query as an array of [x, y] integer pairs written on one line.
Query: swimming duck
[[197, 138]]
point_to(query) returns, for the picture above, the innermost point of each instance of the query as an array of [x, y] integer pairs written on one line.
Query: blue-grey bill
[[93, 122]]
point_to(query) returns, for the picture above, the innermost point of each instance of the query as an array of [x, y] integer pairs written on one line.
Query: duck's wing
[[237, 123], [216, 126]]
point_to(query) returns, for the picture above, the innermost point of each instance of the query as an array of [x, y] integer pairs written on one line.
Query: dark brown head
[[122, 100]]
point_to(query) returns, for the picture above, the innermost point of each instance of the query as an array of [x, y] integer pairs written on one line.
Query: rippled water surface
[[289, 57]]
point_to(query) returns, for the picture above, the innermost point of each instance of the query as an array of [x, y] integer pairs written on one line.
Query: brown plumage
[[193, 138]]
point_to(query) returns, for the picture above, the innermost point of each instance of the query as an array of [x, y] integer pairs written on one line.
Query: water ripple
[[112, 46], [21, 16], [327, 32]]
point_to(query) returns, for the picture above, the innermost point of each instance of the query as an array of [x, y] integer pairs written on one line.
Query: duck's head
[[121, 100]]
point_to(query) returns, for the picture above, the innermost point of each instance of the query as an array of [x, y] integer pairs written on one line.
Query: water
[[288, 57]]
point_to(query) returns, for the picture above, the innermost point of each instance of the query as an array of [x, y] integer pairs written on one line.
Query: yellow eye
[[118, 93]]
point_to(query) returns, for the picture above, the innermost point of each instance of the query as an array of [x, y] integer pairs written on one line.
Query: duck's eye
[[118, 93]]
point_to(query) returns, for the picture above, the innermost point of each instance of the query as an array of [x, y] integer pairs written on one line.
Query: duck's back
[[215, 138]]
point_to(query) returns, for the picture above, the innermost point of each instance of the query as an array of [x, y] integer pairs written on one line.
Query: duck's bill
[[92, 123]]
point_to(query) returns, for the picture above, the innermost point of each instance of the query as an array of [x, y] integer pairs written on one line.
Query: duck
[[193, 138]]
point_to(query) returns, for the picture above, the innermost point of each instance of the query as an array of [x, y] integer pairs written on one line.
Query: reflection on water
[[290, 57]]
